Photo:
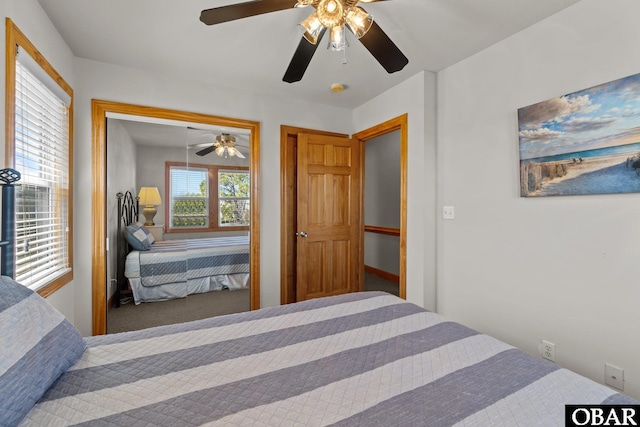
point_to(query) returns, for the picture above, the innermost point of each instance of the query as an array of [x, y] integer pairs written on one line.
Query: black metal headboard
[[127, 215], [7, 264]]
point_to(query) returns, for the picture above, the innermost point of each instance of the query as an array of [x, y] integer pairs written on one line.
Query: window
[[207, 197], [189, 198], [233, 198], [39, 147]]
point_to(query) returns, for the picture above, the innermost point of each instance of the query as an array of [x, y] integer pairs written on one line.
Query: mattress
[[358, 359]]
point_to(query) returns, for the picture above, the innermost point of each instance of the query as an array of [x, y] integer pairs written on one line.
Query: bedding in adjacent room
[[177, 268]]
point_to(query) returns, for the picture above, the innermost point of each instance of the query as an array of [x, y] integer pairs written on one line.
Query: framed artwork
[[586, 142]]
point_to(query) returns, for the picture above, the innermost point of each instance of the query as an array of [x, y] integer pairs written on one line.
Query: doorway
[[100, 110], [383, 235], [289, 208]]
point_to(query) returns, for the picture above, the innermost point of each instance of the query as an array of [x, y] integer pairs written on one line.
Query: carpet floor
[[131, 317]]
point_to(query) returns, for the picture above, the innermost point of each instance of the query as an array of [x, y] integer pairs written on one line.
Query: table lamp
[[149, 197]]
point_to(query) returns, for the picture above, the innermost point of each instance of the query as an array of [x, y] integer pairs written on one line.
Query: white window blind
[[42, 157], [189, 198]]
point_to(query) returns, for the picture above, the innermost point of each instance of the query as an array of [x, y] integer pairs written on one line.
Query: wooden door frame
[[399, 123], [288, 197], [99, 111], [288, 162]]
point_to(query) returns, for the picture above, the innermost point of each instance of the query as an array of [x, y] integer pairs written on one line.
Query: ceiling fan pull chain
[[344, 57]]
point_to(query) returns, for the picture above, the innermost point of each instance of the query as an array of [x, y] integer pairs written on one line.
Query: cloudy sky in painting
[[602, 116]]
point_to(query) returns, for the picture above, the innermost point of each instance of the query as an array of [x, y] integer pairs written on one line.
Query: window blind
[[189, 198], [43, 159]]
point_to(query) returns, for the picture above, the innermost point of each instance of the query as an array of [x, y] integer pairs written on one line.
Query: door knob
[[302, 234]]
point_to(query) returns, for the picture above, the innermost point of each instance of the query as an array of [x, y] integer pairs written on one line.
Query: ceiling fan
[[333, 15], [224, 146]]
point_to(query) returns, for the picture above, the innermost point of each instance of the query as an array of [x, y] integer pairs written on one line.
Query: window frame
[[15, 38], [213, 201]]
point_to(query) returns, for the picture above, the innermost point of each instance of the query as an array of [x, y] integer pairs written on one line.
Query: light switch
[[448, 212]]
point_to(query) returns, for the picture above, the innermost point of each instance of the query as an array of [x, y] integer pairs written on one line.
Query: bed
[[359, 359], [164, 270], [177, 268]]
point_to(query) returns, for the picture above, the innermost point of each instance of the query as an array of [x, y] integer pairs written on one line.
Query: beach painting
[[586, 142]]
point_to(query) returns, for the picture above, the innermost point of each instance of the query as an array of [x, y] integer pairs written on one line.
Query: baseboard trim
[[383, 274]]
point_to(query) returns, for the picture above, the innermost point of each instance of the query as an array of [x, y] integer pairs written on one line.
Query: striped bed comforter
[[177, 261], [358, 359]]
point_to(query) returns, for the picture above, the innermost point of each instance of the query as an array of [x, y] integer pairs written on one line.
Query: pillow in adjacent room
[[139, 237], [37, 345]]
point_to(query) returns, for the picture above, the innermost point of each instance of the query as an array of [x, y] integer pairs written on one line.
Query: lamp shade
[[312, 28], [149, 196], [359, 21]]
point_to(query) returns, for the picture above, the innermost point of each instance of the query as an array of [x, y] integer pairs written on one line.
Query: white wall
[[121, 177], [416, 97], [151, 163], [382, 201], [563, 269], [114, 83]]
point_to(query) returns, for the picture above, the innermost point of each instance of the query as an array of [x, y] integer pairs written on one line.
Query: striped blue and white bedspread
[[367, 359], [176, 261]]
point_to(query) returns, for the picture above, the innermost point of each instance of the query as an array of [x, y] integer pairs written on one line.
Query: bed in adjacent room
[[177, 268], [359, 359], [164, 270]]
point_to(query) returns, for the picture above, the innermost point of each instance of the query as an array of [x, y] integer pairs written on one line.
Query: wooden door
[[328, 216]]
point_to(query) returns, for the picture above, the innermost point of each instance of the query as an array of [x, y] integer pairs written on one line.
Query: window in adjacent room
[[233, 198], [39, 146], [207, 197]]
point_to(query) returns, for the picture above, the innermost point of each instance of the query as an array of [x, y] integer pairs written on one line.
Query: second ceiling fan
[[332, 15], [224, 146]]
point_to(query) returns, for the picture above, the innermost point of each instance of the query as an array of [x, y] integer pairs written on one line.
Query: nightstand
[[157, 231]]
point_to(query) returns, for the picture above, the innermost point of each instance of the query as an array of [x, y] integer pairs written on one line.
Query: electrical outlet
[[549, 350], [614, 376]]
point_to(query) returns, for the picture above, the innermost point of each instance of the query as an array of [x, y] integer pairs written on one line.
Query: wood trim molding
[[99, 111], [15, 38], [399, 123], [383, 274], [382, 230]]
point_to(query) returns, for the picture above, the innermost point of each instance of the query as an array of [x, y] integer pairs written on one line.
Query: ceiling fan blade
[[206, 151], [237, 152], [383, 49], [221, 14], [198, 145], [301, 59]]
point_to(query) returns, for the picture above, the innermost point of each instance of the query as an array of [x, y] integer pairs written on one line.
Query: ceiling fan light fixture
[[330, 13], [225, 138], [312, 28], [220, 151], [358, 21], [338, 41]]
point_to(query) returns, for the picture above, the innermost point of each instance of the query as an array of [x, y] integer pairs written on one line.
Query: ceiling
[[147, 131], [167, 37]]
